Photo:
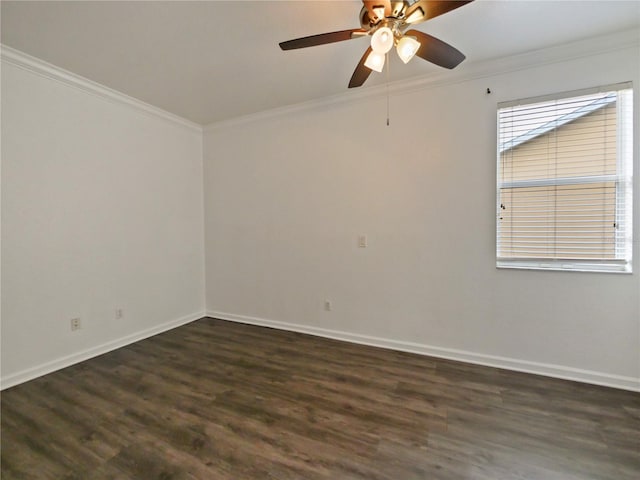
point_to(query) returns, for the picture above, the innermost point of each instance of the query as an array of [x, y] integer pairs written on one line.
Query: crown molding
[[466, 72], [39, 67]]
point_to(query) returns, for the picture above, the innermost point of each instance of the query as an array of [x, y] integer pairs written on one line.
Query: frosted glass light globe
[[375, 61], [382, 40], [407, 48]]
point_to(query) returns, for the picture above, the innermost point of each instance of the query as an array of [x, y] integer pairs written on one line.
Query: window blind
[[564, 181]]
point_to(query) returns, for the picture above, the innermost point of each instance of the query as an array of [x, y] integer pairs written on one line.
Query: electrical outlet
[[119, 313], [327, 305], [75, 324]]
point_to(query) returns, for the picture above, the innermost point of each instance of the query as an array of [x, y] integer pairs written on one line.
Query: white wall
[[101, 209], [287, 195]]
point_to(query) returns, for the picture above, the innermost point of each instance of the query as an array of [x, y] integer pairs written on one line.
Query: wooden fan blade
[[426, 9], [361, 73], [373, 5], [436, 51], [322, 39]]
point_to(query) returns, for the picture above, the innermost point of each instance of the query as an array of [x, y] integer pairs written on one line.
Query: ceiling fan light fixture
[[375, 61], [407, 48], [387, 23], [382, 40]]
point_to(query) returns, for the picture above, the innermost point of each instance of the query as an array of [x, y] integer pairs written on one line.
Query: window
[[565, 181]]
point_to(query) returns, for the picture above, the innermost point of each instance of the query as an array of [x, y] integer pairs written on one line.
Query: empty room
[[324, 240]]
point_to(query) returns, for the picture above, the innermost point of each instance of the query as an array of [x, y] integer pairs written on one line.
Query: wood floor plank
[[225, 401]]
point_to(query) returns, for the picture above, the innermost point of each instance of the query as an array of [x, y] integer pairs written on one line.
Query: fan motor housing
[[398, 10]]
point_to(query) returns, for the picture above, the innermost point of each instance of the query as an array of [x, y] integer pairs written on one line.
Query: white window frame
[[623, 181]]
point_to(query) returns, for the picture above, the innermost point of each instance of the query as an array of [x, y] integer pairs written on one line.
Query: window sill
[[566, 265]]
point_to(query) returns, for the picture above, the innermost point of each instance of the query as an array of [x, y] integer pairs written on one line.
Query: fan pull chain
[[388, 68]]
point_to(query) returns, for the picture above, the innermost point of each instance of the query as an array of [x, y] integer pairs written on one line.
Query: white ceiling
[[210, 61]]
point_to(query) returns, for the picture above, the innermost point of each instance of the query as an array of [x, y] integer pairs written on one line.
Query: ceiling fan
[[387, 22]]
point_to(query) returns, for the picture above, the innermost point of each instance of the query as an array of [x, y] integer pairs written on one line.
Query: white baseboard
[[66, 361], [546, 369], [550, 370]]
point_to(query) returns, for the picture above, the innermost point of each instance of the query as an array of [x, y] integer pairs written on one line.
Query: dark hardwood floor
[[218, 400]]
